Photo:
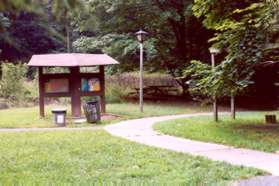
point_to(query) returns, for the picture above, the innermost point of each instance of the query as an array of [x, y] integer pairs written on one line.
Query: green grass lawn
[[29, 117], [83, 157], [247, 131], [131, 110]]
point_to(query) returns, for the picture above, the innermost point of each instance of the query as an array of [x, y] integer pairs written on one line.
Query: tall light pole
[[141, 35], [213, 52]]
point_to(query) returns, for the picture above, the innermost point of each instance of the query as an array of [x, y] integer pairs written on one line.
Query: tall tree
[[28, 35], [61, 10], [64, 11], [244, 30], [176, 36]]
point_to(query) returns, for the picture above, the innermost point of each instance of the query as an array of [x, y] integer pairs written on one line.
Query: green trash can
[[92, 111]]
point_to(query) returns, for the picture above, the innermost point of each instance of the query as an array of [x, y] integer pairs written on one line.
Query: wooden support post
[[41, 93], [102, 82], [75, 86]]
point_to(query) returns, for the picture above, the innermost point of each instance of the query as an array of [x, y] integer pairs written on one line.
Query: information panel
[[57, 86], [90, 85]]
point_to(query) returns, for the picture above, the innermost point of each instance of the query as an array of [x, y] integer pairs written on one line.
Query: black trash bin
[[92, 111], [59, 116]]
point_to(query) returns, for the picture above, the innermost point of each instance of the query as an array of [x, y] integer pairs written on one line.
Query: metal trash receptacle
[[92, 111], [59, 116]]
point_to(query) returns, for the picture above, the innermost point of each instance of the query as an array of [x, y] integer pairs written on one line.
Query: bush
[[31, 90], [131, 80], [15, 90], [119, 86], [11, 84], [116, 93], [3, 104]]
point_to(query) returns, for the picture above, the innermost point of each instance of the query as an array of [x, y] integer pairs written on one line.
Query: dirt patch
[[108, 117], [260, 126]]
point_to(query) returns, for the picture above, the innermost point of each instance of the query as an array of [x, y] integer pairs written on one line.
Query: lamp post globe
[[141, 36], [214, 51]]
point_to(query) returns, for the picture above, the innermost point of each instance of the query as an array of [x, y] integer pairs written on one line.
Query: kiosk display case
[[57, 86], [74, 84]]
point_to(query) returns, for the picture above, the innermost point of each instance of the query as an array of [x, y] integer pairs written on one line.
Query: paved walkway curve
[[140, 130]]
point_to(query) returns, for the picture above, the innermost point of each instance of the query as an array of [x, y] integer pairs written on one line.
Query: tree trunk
[[69, 43], [215, 110], [233, 110], [182, 83], [0, 70], [185, 91]]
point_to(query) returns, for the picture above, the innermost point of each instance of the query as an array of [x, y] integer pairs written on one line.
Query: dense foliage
[[179, 31], [246, 31], [28, 27], [11, 84], [176, 36], [28, 34]]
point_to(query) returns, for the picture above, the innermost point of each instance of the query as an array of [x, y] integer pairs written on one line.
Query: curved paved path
[[140, 130]]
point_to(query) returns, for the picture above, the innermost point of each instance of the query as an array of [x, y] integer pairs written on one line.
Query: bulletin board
[[74, 85], [57, 86], [90, 85]]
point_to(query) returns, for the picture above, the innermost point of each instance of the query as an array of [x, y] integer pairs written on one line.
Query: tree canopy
[[32, 27], [179, 31], [176, 36], [246, 31]]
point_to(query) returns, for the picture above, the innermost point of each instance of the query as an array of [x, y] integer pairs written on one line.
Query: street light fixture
[[213, 52], [141, 36]]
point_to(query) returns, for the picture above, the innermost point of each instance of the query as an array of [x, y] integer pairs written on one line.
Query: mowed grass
[[247, 131], [131, 110], [29, 117], [86, 157]]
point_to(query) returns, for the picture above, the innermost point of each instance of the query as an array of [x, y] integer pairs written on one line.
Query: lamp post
[[141, 35], [213, 52]]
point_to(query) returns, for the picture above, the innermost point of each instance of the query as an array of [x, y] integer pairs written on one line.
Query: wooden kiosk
[[73, 84]]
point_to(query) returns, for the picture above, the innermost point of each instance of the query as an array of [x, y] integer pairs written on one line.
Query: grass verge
[[84, 157], [247, 131]]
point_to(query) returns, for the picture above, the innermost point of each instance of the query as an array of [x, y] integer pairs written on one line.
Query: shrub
[[15, 90], [119, 86], [116, 93], [3, 104], [11, 84], [131, 80], [31, 90]]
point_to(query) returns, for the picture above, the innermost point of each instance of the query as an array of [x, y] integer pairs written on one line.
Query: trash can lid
[[92, 102], [59, 110]]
